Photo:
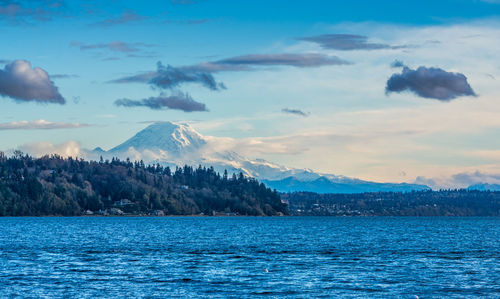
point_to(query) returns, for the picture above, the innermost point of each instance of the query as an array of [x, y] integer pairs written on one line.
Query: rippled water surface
[[243, 257]]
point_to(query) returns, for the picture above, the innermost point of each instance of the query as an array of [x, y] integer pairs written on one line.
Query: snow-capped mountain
[[171, 138], [172, 144]]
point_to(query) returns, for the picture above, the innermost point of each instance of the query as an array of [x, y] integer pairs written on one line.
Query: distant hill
[[175, 144], [415, 203], [485, 187], [343, 185], [57, 186]]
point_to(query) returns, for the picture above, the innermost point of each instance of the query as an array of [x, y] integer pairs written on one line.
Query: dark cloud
[[179, 101], [126, 17], [169, 77], [297, 60], [295, 112], [397, 64], [21, 82], [433, 83], [347, 42]]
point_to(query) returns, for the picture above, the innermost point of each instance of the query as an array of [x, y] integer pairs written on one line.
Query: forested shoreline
[[56, 186], [460, 202]]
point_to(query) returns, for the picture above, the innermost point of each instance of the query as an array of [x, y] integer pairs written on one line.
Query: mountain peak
[[177, 144], [171, 137], [166, 125]]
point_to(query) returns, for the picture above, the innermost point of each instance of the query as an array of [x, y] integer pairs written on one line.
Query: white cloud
[[39, 125], [354, 128], [66, 149], [460, 180], [21, 82]]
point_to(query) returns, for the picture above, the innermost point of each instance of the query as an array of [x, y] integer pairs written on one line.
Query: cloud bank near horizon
[[40, 124], [65, 149]]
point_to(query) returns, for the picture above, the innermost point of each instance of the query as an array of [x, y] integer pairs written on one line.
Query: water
[[379, 257]]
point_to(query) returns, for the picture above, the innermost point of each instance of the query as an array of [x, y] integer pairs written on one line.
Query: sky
[[389, 91]]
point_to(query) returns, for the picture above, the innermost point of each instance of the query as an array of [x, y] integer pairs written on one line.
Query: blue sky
[[289, 83]]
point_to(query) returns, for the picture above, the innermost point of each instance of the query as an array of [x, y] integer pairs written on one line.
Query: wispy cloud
[[178, 101], [105, 115], [183, 2], [39, 125], [64, 76], [295, 112], [169, 77], [188, 22], [433, 83], [115, 46], [18, 12], [133, 50], [127, 16], [283, 59], [347, 42], [144, 77], [21, 82]]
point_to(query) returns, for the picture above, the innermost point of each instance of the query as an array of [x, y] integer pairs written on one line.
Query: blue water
[[379, 257]]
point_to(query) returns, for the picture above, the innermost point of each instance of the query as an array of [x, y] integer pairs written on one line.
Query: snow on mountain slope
[[172, 144], [166, 136]]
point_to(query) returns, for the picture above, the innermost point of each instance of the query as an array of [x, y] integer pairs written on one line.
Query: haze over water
[[379, 257]]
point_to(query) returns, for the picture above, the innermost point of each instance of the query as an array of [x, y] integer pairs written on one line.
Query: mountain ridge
[[174, 144]]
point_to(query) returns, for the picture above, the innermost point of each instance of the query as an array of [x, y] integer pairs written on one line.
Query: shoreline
[[250, 216]]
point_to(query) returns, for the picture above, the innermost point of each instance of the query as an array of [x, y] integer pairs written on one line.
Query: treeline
[[417, 203], [53, 185]]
